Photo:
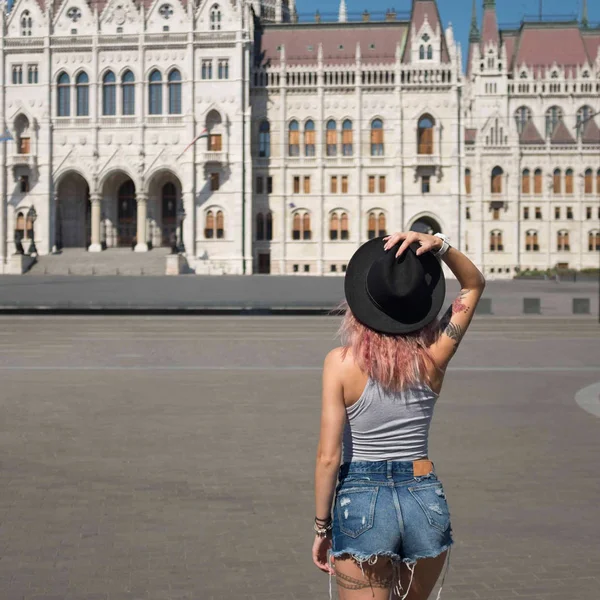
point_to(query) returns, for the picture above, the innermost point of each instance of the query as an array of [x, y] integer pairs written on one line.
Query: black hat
[[394, 295]]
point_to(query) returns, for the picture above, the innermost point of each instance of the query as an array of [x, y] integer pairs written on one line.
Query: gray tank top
[[383, 425]]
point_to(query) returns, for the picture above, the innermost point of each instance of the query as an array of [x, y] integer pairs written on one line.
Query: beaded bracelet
[[322, 526]]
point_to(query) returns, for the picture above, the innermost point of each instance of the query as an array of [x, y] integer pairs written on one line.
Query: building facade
[[267, 145]]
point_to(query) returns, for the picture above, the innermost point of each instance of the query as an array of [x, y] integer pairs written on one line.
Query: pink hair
[[394, 361]]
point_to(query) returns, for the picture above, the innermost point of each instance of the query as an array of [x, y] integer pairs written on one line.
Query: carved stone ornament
[[166, 11], [74, 14]]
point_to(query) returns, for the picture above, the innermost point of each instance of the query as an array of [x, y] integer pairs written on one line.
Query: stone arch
[[73, 210], [165, 192], [118, 190], [425, 222]]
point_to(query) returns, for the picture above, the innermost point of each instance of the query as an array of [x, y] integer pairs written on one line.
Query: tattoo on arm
[[455, 333], [458, 305]]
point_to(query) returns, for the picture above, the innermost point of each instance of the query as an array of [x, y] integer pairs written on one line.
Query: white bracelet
[[445, 245]]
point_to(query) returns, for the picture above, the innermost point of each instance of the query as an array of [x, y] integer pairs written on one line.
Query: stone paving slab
[[172, 458]]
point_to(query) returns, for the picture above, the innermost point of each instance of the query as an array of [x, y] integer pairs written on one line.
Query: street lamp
[[32, 214], [181, 216]]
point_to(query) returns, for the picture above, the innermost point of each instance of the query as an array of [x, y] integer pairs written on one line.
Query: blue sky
[[458, 12]]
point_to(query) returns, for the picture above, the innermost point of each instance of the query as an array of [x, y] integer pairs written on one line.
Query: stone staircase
[[113, 261]]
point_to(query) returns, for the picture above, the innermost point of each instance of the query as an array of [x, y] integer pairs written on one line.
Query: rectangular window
[[24, 145], [525, 183], [569, 212], [295, 268], [468, 213], [269, 185], [538, 212], [207, 69], [307, 184], [333, 268], [331, 137], [307, 268], [296, 184], [496, 214], [425, 184], [259, 185], [24, 183], [17, 74], [344, 184], [215, 142], [382, 184], [333, 185], [537, 183], [32, 74], [214, 182], [557, 212], [223, 69], [347, 142], [526, 212], [371, 184], [588, 212], [468, 181]]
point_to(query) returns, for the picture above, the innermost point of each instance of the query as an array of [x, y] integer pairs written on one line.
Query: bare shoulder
[[335, 357]]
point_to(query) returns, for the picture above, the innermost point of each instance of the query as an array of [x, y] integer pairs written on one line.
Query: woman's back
[[389, 425]]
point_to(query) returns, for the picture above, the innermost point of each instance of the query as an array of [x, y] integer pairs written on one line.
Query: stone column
[[96, 202], [142, 212]]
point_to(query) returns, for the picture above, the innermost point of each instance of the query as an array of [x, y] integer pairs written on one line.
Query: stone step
[[114, 261]]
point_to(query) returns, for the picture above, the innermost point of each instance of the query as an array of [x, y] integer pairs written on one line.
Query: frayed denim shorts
[[383, 509]]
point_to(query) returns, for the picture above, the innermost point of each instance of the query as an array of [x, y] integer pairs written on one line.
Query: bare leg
[[426, 574], [363, 581]]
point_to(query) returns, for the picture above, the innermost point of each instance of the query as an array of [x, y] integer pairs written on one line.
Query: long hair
[[394, 361]]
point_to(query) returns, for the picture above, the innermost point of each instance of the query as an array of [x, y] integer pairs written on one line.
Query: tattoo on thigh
[[351, 583]]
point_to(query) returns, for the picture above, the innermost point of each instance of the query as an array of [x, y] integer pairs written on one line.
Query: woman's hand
[[427, 242], [320, 548]]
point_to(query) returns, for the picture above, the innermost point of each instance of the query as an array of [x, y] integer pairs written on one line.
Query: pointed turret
[[343, 12], [489, 29], [584, 15], [474, 31]]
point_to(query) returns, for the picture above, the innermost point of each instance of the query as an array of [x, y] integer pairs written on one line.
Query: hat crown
[[392, 280]]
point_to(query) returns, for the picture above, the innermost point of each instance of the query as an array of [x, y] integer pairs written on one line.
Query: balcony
[[428, 160], [23, 160], [215, 156]]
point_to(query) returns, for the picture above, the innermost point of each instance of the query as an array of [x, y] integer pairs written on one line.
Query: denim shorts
[[382, 509]]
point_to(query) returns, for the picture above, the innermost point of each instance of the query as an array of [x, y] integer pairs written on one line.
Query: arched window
[[174, 84], [294, 139], [264, 139], [344, 231], [468, 181], [269, 225], [155, 93], [109, 94], [213, 225], [214, 124], [526, 181], [64, 95], [82, 94], [429, 52], [562, 241], [331, 139], [23, 136], [569, 181], [215, 18], [537, 182], [377, 137], [496, 180], [260, 226], [301, 226], [309, 138], [26, 23], [19, 231], [554, 116], [376, 224], [583, 115], [209, 225], [588, 182], [128, 89], [334, 226], [169, 214], [522, 115], [496, 241], [594, 241], [531, 241], [347, 138], [425, 135], [557, 182], [421, 52]]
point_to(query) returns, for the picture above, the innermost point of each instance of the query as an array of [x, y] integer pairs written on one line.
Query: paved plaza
[[170, 458]]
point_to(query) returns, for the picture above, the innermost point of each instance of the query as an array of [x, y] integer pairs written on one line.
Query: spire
[[584, 15], [474, 31], [343, 13], [489, 4], [489, 28]]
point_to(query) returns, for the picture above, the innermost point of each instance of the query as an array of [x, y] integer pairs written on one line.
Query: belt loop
[[390, 469]]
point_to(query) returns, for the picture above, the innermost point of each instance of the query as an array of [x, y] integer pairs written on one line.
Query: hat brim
[[366, 311]]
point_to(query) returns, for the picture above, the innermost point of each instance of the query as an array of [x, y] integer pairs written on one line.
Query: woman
[[389, 528]]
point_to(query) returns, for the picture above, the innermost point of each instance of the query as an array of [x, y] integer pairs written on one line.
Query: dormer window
[[523, 75]]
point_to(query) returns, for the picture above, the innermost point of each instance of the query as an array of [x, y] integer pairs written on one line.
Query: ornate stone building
[[281, 146]]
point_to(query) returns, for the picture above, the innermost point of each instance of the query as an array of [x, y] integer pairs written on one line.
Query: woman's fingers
[[409, 239]]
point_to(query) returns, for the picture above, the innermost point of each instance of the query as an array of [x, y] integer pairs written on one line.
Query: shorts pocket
[[432, 500], [355, 510]]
